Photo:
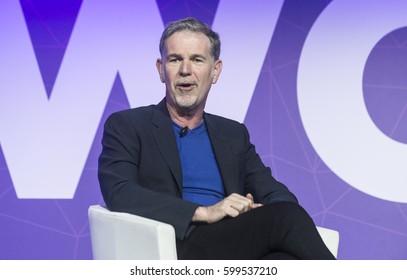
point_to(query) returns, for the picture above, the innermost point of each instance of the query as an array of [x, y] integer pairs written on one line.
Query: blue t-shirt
[[201, 179]]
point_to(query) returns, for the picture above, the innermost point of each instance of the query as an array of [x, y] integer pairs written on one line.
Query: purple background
[[370, 228]]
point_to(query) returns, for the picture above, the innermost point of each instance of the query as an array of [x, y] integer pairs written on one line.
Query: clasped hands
[[232, 206]]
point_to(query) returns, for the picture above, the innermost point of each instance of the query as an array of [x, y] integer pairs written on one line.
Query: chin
[[186, 103]]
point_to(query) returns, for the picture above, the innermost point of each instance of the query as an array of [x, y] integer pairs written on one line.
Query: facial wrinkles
[[188, 70], [187, 90], [186, 75]]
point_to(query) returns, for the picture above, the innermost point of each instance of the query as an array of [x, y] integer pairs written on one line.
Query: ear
[[216, 71], [160, 69]]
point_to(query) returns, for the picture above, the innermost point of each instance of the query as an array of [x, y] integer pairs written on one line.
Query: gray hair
[[193, 25]]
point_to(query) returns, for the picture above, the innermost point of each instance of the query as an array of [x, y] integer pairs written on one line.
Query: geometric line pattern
[[58, 229]]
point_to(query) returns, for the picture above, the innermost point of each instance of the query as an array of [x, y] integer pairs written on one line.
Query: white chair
[[116, 235], [330, 238]]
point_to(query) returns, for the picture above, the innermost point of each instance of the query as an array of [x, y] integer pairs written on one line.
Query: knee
[[288, 212]]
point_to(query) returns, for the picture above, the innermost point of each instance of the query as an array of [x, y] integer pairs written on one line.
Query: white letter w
[[46, 142]]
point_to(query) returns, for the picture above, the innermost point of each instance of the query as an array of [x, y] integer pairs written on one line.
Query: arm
[[254, 178], [129, 183]]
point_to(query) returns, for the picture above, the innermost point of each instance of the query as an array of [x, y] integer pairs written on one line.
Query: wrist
[[200, 214]]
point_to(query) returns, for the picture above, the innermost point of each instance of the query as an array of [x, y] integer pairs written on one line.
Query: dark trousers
[[281, 230]]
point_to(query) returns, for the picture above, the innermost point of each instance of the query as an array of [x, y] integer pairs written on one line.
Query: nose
[[185, 68]]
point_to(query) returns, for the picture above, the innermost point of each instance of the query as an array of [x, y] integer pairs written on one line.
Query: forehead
[[187, 42]]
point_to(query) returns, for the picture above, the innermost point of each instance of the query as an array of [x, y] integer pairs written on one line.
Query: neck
[[186, 118]]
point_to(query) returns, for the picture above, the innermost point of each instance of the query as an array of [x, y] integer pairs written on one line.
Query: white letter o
[[330, 96]]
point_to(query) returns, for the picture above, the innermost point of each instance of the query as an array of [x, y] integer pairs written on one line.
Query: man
[[175, 163]]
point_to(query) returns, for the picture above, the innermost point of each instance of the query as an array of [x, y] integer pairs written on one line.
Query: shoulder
[[222, 120], [134, 115], [228, 126]]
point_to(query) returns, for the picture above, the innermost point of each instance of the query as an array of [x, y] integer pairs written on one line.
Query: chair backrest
[[116, 235]]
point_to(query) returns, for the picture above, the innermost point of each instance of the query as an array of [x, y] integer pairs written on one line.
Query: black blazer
[[140, 170]]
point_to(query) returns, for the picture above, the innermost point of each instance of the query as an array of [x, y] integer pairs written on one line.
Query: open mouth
[[185, 86]]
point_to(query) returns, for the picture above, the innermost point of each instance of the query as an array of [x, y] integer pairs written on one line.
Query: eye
[[174, 59]]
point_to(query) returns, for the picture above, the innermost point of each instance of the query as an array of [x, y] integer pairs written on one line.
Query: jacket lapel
[[163, 133], [224, 155]]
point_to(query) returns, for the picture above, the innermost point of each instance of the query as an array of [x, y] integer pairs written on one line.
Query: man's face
[[188, 70]]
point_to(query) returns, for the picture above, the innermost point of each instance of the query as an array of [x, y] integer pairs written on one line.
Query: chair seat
[[116, 235]]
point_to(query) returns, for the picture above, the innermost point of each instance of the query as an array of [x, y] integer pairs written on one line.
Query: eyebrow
[[178, 56], [173, 55], [198, 56]]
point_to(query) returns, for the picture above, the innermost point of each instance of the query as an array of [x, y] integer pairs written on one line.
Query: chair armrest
[[330, 238], [116, 235]]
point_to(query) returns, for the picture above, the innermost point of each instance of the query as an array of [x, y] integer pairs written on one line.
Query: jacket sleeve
[[120, 178]]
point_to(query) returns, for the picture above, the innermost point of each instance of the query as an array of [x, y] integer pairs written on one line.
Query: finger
[[232, 212], [241, 206], [237, 198], [255, 205]]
